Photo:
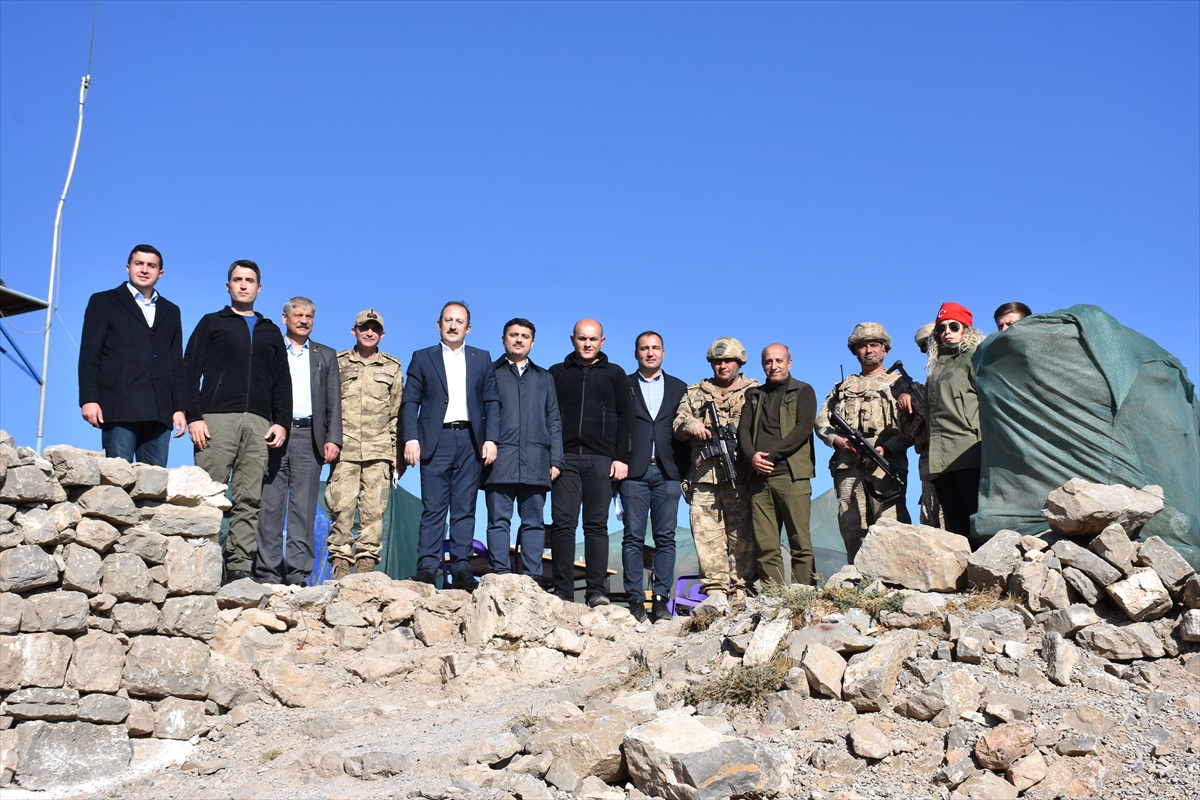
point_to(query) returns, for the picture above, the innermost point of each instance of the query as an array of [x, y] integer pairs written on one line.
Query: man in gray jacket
[[293, 476], [529, 452]]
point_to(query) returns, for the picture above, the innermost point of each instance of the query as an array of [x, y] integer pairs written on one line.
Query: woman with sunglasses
[[953, 416]]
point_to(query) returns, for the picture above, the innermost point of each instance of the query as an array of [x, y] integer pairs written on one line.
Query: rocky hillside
[[1057, 665]]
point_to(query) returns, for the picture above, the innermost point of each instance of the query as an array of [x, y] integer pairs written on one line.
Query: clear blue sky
[[770, 171]]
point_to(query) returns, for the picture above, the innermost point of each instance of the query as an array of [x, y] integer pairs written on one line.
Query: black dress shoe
[[638, 610], [597, 599], [424, 576], [464, 579], [232, 575], [658, 608]]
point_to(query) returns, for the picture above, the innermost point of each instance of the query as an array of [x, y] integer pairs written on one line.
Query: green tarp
[[1075, 394]]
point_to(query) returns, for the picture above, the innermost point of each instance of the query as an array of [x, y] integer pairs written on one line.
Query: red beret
[[954, 311]]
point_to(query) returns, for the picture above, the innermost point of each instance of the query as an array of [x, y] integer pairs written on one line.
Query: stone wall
[[108, 577]]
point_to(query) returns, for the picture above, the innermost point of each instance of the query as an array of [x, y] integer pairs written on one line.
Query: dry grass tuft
[[739, 685]]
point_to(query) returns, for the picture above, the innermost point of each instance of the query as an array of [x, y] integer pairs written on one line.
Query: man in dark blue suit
[[132, 382], [451, 421], [658, 462]]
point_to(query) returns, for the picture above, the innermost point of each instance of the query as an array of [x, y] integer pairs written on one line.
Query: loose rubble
[[997, 673]]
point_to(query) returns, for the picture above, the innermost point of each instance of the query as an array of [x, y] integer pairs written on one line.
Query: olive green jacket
[[798, 410], [953, 412]]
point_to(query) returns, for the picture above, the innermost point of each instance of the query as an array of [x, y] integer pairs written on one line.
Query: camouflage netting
[[1075, 394]]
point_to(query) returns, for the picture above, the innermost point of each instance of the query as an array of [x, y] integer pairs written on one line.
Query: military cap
[[869, 332], [727, 347], [370, 315], [923, 332]]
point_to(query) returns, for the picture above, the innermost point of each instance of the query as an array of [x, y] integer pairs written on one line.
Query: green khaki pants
[[778, 501], [363, 485], [237, 447]]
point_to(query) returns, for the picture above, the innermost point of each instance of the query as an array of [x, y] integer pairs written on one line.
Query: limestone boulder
[[988, 567], [1166, 562], [509, 607], [96, 534], [1142, 596], [103, 709], [85, 569], [11, 607], [28, 484], [135, 618], [951, 695], [38, 526], [919, 610], [96, 663], [868, 741], [72, 466], [824, 668], [294, 686], [116, 472], [1109, 641], [189, 486], [126, 577], [1189, 626], [999, 748], [194, 521], [161, 666], [766, 639], [1114, 546], [257, 644], [984, 785], [244, 593], [1042, 587], [432, 629], [147, 545], [870, 678], [1080, 508], [54, 756], [193, 566], [34, 659], [1084, 586], [1066, 621], [192, 615], [175, 718], [26, 567], [58, 612], [914, 556], [66, 515], [150, 482], [109, 503], [342, 614], [1061, 658], [680, 758], [1087, 562]]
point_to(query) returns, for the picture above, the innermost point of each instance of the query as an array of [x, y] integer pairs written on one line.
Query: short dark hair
[[145, 248], [520, 322], [638, 339], [449, 303], [244, 263], [1011, 308]]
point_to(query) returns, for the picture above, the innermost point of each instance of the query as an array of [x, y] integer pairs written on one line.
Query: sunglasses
[[952, 326]]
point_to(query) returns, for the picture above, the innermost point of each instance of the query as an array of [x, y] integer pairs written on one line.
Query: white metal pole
[[54, 257]]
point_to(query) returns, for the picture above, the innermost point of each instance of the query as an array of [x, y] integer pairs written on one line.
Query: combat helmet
[[869, 332], [725, 348]]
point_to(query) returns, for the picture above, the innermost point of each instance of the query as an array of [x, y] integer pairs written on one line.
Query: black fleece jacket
[[596, 406], [240, 375]]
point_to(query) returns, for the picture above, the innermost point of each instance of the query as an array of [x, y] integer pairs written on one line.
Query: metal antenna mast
[[54, 255]]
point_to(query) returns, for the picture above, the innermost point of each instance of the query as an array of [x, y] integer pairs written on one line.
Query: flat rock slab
[[110, 503], [70, 753], [26, 567], [914, 556], [295, 687], [1080, 508], [870, 678], [1142, 596], [989, 567]]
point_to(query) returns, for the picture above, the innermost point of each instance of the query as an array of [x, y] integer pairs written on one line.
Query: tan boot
[[341, 568], [365, 565]]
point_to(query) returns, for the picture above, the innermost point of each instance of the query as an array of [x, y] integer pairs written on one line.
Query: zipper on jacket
[[250, 366], [582, 405]]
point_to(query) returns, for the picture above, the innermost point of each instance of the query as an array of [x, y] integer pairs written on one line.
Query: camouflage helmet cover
[[727, 347], [869, 332]]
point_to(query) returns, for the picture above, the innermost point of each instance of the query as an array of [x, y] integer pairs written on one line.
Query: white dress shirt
[[301, 380], [455, 362], [147, 306]]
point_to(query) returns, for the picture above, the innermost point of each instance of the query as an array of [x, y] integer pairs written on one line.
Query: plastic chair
[[478, 551], [687, 595]]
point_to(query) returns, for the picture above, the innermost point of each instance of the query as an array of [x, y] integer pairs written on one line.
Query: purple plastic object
[[478, 548], [687, 595]]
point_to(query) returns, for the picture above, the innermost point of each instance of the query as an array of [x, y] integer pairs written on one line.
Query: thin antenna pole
[[54, 245]]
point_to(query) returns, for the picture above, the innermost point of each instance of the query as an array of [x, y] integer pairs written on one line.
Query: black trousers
[[958, 493], [584, 482]]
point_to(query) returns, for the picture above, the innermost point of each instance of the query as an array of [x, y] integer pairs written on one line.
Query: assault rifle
[[724, 442], [868, 453], [906, 385]]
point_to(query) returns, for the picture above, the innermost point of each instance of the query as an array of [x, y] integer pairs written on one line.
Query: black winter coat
[[596, 406], [240, 374], [530, 440]]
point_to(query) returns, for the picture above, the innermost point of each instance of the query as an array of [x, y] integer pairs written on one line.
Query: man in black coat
[[131, 374], [529, 452], [239, 404], [594, 400], [657, 464]]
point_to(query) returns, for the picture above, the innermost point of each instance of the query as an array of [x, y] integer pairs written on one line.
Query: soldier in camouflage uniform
[[865, 401], [372, 386], [720, 510]]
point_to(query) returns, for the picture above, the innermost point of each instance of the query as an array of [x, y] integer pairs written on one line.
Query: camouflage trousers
[[858, 510], [725, 546], [363, 485], [931, 509]]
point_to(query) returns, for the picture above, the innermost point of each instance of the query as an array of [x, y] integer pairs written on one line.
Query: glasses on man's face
[[945, 326]]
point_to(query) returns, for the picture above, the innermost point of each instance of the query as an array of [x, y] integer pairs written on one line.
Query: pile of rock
[[107, 580]]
